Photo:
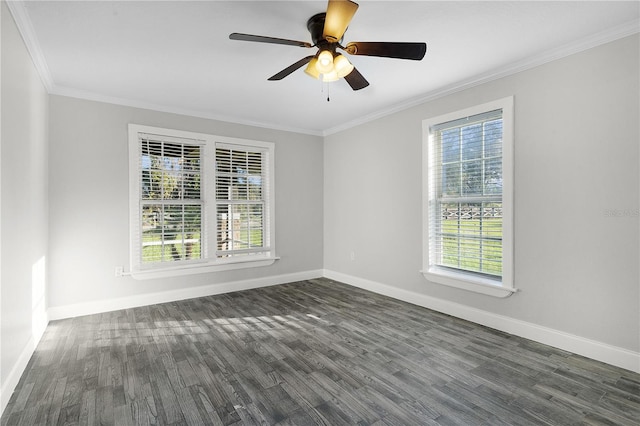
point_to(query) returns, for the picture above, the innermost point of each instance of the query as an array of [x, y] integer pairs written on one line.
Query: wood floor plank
[[189, 407], [314, 352], [343, 401], [87, 408], [205, 407]]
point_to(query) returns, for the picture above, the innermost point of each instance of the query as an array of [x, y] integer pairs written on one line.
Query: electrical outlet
[[352, 255], [119, 271]]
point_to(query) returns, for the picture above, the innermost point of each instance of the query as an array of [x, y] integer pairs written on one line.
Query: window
[[468, 201], [199, 203], [240, 200]]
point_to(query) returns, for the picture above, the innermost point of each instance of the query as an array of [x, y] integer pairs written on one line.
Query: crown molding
[[607, 36], [21, 18], [23, 22], [92, 96]]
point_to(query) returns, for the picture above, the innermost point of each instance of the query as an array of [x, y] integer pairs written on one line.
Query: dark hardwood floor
[[307, 353]]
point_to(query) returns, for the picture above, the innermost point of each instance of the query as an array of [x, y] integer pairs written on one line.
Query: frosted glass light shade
[[330, 76], [325, 62], [311, 69], [342, 66]]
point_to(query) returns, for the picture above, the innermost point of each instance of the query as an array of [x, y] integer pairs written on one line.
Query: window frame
[[502, 286], [209, 262]]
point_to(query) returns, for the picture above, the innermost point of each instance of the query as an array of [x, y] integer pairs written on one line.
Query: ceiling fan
[[327, 31]]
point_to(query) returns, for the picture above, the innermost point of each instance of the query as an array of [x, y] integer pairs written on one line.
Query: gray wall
[[89, 201], [64, 200], [23, 200], [576, 160]]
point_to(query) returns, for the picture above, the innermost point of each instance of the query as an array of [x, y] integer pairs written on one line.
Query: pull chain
[[324, 84]]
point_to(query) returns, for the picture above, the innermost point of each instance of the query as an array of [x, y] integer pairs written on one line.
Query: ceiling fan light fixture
[[324, 64], [327, 31], [342, 66], [330, 76], [311, 70]]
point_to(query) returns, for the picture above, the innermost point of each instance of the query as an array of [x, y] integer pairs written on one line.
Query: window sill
[[468, 282], [202, 268]]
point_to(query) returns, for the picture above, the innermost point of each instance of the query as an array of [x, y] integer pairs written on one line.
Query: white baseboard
[[69, 311], [16, 373], [88, 308], [40, 322], [599, 351], [592, 349], [609, 354]]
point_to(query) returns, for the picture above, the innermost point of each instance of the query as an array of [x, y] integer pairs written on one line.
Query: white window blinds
[[465, 226], [241, 200], [171, 201], [198, 202]]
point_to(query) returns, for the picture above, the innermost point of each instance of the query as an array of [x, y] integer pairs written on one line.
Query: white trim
[[593, 349], [595, 40], [25, 27], [501, 286], [16, 372], [201, 268], [463, 281], [208, 263], [89, 308], [603, 352], [39, 322], [13, 378], [21, 18], [97, 97]]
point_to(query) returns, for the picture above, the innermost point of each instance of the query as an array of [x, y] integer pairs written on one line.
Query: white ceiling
[[176, 55]]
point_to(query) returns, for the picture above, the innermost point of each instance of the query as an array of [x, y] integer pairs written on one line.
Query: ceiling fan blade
[[339, 14], [272, 40], [356, 80], [400, 50], [291, 68]]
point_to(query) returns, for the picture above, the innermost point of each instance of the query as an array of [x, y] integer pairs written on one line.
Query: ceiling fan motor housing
[[315, 25]]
